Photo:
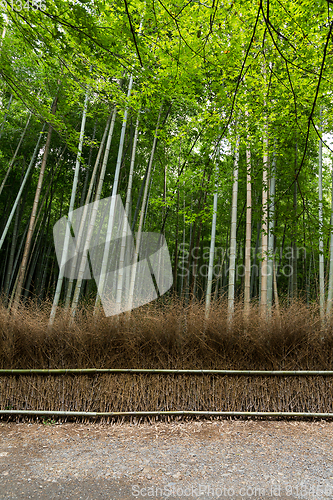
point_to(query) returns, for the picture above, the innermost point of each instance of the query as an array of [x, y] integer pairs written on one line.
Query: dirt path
[[206, 460]]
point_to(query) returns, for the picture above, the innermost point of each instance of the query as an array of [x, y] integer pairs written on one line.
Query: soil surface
[[200, 459]]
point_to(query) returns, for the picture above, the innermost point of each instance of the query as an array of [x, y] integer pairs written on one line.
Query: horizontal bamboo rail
[[92, 414], [152, 371]]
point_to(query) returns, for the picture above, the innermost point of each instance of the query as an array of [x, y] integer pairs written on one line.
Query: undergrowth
[[167, 335]]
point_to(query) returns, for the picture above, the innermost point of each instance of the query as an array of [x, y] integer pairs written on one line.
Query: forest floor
[[195, 459]]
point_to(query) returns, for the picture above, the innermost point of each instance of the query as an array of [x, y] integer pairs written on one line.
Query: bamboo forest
[[209, 124]]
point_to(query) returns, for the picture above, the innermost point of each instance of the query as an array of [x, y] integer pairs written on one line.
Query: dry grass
[[167, 336]]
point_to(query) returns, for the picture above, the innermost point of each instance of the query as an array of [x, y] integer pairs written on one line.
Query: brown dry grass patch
[[167, 335]]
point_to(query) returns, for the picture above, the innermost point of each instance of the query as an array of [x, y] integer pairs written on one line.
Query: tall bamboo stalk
[[247, 281], [18, 197], [175, 268], [294, 242], [84, 257], [264, 226], [271, 211], [22, 271], [11, 163], [102, 277], [321, 237], [85, 210], [85, 186], [6, 113], [212, 244], [3, 34], [330, 282], [143, 206], [71, 208], [233, 243], [184, 238], [12, 246], [124, 231]]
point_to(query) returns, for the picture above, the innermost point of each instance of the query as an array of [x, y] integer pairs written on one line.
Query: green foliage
[[223, 71]]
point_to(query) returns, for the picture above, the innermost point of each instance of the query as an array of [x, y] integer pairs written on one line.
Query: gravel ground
[[201, 459]]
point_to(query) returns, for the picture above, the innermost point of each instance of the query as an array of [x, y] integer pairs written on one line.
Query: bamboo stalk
[[11, 163], [233, 242], [264, 225], [84, 216], [212, 244], [18, 197], [127, 209], [247, 280], [92, 371], [270, 258], [321, 236], [330, 280], [70, 214], [92, 414], [84, 257], [139, 233], [111, 220]]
